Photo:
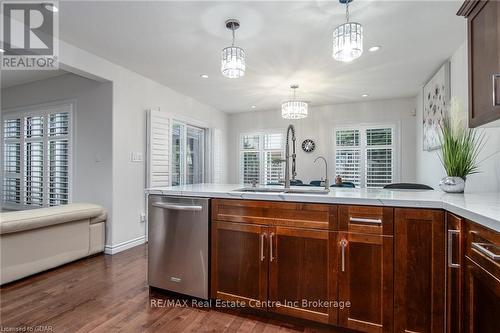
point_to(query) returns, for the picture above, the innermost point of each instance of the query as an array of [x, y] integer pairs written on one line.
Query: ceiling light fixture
[[204, 76], [374, 48], [51, 7], [294, 109], [253, 106], [233, 57], [347, 38], [365, 95]]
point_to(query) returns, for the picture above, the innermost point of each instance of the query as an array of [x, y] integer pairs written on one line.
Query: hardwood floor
[[110, 294]]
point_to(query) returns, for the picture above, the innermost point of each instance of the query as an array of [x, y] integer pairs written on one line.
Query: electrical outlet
[[142, 217]]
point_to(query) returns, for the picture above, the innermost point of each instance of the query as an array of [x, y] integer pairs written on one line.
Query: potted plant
[[460, 148]]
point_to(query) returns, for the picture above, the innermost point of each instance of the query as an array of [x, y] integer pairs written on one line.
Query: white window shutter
[[37, 156], [158, 141], [365, 156], [218, 156], [261, 156]]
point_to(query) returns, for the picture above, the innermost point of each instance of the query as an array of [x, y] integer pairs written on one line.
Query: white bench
[[33, 241]]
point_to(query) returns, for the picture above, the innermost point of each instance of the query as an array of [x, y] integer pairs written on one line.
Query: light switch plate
[[136, 157]]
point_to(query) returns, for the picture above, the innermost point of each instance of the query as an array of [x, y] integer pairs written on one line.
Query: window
[[37, 155], [261, 156], [364, 155], [188, 151]]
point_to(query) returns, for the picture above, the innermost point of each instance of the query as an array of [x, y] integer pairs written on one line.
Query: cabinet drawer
[[366, 219], [315, 216], [483, 247]]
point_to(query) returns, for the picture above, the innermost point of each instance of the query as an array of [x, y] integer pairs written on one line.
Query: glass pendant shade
[[347, 41], [233, 62], [294, 109]]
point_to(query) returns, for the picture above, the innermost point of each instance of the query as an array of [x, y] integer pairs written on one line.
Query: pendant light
[[294, 109], [347, 38], [233, 57]]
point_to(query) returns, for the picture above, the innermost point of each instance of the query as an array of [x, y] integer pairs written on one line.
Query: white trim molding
[[114, 249]]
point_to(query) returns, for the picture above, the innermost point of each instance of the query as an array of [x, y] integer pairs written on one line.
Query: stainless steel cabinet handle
[[262, 237], [271, 256], [362, 220], [494, 78], [343, 245], [451, 232], [480, 248], [177, 207]]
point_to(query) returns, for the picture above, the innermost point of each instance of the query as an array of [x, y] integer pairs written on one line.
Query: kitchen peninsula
[[405, 260]]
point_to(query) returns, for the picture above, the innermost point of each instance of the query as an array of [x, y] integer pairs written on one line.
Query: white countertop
[[482, 208]]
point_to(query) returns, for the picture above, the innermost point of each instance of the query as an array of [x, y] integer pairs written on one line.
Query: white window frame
[[363, 147], [260, 150], [32, 111], [206, 150]]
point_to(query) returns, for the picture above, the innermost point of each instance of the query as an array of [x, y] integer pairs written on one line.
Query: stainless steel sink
[[304, 190]]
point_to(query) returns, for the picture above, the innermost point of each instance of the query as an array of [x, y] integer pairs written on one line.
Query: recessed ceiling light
[[204, 76], [365, 95], [254, 106], [374, 48], [51, 7]]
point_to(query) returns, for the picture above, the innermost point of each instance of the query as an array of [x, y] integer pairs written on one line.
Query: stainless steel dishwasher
[[178, 244]]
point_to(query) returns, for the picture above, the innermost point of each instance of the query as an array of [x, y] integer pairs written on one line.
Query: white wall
[[133, 94], [429, 168], [92, 180], [319, 126]]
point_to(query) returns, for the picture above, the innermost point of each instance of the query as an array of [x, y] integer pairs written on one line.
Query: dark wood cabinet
[[482, 280], [276, 253], [419, 270], [366, 268], [298, 272], [239, 262], [482, 300], [483, 38], [454, 273], [365, 278]]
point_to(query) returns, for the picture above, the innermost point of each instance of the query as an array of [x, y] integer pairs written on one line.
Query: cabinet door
[[482, 279], [484, 62], [239, 262], [366, 279], [482, 306], [419, 271], [454, 276], [298, 276]]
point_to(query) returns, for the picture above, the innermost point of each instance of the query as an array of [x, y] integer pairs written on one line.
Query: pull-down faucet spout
[[290, 129]]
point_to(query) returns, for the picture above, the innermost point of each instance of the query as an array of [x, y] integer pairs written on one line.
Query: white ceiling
[[174, 42], [14, 78]]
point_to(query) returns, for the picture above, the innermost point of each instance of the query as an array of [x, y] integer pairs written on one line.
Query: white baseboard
[[114, 249]]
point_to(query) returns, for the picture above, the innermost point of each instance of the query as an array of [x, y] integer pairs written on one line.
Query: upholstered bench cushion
[[37, 218]]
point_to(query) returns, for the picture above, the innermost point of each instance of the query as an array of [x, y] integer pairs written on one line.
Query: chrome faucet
[[327, 184], [291, 129]]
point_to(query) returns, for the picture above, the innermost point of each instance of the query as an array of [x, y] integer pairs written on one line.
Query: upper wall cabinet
[[483, 37]]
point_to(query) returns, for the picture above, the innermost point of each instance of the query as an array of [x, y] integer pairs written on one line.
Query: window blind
[[347, 157], [261, 157], [364, 155], [379, 159], [33, 174], [12, 161], [37, 156]]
